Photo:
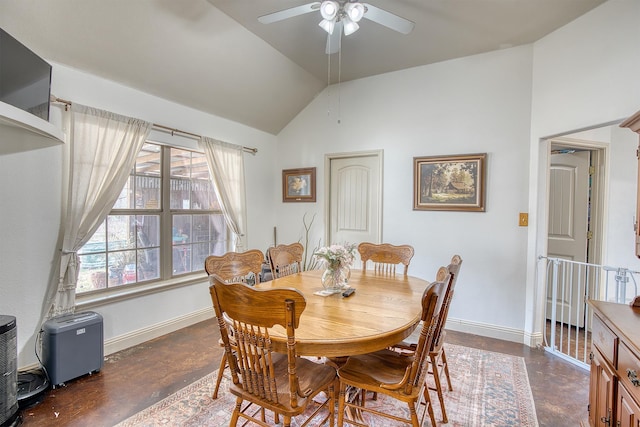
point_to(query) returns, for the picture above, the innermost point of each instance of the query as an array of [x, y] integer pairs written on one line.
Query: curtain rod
[[161, 127]]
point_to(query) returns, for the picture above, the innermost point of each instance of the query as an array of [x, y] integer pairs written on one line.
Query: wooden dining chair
[[393, 374], [283, 383], [236, 266], [233, 267], [385, 257], [437, 354], [286, 259]]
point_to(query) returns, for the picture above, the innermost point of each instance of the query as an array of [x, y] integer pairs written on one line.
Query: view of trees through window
[[166, 221]]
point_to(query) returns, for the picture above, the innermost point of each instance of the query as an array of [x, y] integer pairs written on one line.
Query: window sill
[[116, 294]]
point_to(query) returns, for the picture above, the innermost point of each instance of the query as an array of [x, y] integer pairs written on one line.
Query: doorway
[[574, 233]]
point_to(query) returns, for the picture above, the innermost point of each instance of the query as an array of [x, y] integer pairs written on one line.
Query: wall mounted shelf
[[15, 117]]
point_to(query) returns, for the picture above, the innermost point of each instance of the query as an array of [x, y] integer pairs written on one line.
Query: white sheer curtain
[[102, 148], [226, 167]]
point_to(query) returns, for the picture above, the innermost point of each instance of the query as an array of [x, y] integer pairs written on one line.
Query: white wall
[[30, 188], [30, 180], [584, 75], [470, 105], [501, 103]]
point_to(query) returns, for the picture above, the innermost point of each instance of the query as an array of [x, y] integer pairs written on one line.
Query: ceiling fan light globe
[[329, 9], [328, 26], [349, 26], [355, 11]]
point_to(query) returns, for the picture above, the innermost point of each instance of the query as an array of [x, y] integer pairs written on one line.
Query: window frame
[[167, 280]]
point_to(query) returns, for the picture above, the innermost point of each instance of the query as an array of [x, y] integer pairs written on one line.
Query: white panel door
[[568, 227], [355, 199]]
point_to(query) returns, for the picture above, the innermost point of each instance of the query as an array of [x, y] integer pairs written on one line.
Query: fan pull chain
[[329, 85], [339, 80]]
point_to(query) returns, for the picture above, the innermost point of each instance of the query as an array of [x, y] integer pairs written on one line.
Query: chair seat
[[311, 377], [383, 369]]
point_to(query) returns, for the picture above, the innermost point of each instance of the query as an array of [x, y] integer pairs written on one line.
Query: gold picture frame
[[299, 185], [449, 183]]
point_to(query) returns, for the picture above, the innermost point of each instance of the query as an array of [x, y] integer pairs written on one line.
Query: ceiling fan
[[340, 16]]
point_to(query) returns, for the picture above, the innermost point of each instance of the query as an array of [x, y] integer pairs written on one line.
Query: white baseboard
[[534, 340], [493, 331], [139, 336]]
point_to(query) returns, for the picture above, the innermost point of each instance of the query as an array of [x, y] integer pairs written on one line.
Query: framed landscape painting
[[299, 185], [449, 183]]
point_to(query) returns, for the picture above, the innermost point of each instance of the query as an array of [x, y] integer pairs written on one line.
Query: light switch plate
[[523, 221]]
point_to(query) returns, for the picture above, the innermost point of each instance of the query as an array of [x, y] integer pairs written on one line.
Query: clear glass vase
[[335, 279]]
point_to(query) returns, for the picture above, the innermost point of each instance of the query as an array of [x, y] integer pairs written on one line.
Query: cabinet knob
[[633, 377]]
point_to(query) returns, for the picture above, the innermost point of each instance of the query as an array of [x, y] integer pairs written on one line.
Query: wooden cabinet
[[628, 413], [603, 379], [633, 123], [614, 388], [601, 391]]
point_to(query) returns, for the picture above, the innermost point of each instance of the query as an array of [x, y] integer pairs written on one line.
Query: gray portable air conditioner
[[72, 346]]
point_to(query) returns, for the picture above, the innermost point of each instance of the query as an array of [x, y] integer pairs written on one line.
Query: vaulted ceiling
[[214, 55]]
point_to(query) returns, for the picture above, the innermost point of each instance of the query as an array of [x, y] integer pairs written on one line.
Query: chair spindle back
[[252, 363], [385, 257], [286, 259]]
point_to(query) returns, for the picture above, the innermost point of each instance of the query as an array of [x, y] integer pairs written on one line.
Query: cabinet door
[[637, 224], [601, 397], [628, 412], [594, 375]]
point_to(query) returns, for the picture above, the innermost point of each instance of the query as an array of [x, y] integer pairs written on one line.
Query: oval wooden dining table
[[383, 310]]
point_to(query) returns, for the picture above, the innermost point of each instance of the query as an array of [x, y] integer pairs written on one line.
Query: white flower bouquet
[[337, 256]]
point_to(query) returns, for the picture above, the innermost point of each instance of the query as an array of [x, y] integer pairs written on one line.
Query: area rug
[[489, 389]]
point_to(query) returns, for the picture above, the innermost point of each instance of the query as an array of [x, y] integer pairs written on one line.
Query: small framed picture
[[299, 185], [449, 183]]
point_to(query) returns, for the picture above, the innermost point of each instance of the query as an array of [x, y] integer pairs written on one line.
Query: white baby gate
[[569, 286]]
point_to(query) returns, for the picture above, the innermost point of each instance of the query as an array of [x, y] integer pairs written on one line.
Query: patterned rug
[[489, 389]]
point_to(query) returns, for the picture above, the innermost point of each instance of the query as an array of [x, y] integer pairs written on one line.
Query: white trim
[[492, 331], [139, 336], [535, 340], [90, 300]]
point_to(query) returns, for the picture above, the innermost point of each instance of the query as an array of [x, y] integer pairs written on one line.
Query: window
[[166, 221]]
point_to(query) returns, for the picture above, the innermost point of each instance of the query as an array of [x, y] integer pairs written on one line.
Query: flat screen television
[[25, 78]]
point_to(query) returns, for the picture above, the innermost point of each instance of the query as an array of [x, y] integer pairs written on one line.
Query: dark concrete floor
[[134, 379]]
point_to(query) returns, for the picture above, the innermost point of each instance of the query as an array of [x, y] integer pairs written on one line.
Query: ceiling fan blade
[[334, 40], [289, 13], [388, 19]]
